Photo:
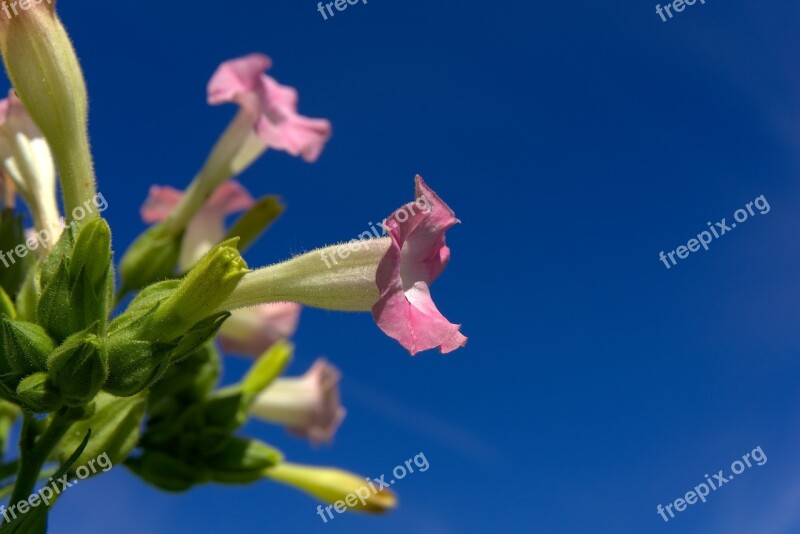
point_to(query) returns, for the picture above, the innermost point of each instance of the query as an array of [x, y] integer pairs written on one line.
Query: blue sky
[[575, 141]]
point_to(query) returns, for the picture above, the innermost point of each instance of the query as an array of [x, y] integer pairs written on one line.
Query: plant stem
[[77, 175], [33, 455]]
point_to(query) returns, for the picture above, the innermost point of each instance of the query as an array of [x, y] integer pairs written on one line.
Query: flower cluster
[[139, 383]]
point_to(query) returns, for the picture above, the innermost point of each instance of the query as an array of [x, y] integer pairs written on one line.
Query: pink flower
[[270, 106], [207, 228], [389, 276], [309, 406], [416, 257], [251, 331]]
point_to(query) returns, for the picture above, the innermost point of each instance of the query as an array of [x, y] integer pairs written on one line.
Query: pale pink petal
[[251, 331], [417, 255], [308, 406], [272, 107], [160, 202], [207, 227], [230, 197]]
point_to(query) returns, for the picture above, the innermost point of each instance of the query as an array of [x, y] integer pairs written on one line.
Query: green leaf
[[115, 429]]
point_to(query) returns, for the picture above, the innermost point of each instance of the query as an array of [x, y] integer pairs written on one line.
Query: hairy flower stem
[[235, 150], [77, 176], [33, 454]]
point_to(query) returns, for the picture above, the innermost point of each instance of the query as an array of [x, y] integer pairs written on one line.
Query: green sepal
[[241, 461], [77, 281], [37, 394], [165, 471], [55, 312], [133, 365], [26, 346], [197, 336], [79, 367], [201, 291]]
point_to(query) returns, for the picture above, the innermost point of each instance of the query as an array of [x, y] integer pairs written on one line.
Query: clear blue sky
[[575, 140]]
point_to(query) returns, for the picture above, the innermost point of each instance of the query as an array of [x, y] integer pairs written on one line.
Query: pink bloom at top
[[415, 258], [270, 106], [207, 228]]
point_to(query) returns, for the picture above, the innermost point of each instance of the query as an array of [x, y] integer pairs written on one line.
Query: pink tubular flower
[[389, 276], [309, 406], [207, 228], [416, 257], [270, 106], [251, 331]]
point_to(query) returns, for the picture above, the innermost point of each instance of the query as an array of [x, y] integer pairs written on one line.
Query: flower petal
[[251, 331], [417, 255], [272, 107]]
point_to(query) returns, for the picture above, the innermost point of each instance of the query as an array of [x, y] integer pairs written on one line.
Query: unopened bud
[[26, 346], [37, 393], [79, 368]]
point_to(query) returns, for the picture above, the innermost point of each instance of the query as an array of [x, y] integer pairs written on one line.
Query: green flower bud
[[115, 430], [60, 254], [55, 311], [241, 461], [90, 270], [165, 471], [77, 282], [26, 346], [37, 394], [332, 485], [79, 368], [201, 292], [151, 258], [133, 365]]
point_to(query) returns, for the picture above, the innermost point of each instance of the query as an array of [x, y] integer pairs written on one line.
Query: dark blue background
[[576, 140]]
